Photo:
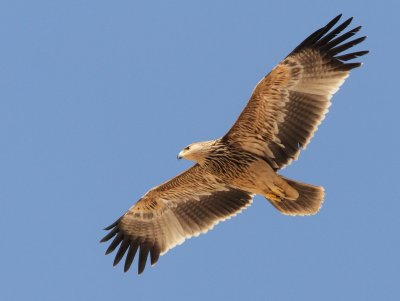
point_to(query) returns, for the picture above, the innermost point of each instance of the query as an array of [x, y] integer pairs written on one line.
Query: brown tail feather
[[308, 203]]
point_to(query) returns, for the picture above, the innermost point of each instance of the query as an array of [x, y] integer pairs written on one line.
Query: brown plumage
[[279, 120]]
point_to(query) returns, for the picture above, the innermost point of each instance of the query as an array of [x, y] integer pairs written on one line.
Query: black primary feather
[[329, 44]]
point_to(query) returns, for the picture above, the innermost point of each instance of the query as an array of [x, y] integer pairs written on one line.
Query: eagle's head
[[197, 151]]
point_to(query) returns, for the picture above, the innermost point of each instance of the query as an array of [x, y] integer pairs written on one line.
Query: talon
[[278, 192], [273, 197]]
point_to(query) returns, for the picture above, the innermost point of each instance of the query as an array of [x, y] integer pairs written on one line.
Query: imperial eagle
[[279, 120]]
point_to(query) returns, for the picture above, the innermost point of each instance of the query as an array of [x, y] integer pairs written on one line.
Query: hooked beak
[[179, 156]]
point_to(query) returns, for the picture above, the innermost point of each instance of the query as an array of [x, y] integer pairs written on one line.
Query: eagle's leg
[[282, 190], [261, 179]]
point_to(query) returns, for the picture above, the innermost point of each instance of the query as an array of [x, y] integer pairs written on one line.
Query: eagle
[[279, 120]]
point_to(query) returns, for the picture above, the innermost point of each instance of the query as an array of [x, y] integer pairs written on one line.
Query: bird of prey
[[279, 120]]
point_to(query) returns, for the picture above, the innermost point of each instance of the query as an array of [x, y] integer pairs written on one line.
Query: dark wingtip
[[349, 66], [108, 251], [112, 225], [336, 19], [122, 250], [344, 47], [332, 23], [143, 253], [347, 22], [115, 243], [154, 254], [133, 247], [110, 235], [316, 35], [353, 55], [130, 244]]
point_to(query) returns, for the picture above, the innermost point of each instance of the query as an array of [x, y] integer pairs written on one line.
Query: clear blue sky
[[98, 97]]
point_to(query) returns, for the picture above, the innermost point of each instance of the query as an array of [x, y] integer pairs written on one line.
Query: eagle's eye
[[186, 148]]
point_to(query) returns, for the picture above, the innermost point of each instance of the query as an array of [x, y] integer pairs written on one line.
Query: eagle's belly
[[259, 178], [253, 175]]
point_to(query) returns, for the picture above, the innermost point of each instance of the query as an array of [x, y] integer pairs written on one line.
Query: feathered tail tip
[[309, 201]]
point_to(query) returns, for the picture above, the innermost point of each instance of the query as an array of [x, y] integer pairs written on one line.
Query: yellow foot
[[273, 197]]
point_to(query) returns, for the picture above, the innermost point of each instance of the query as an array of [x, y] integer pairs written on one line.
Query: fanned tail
[[309, 201]]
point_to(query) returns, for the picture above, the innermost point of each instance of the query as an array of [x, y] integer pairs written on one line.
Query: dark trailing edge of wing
[[132, 245], [329, 44]]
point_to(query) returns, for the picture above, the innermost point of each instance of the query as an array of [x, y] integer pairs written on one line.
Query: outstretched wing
[[185, 206], [290, 102]]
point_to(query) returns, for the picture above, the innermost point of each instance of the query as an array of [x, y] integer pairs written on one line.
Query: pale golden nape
[[197, 151]]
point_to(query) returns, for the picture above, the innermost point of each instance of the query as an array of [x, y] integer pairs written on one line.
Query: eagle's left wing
[[185, 206], [289, 103]]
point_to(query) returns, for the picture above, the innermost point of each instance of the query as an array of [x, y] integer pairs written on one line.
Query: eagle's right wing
[[185, 206], [289, 103]]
